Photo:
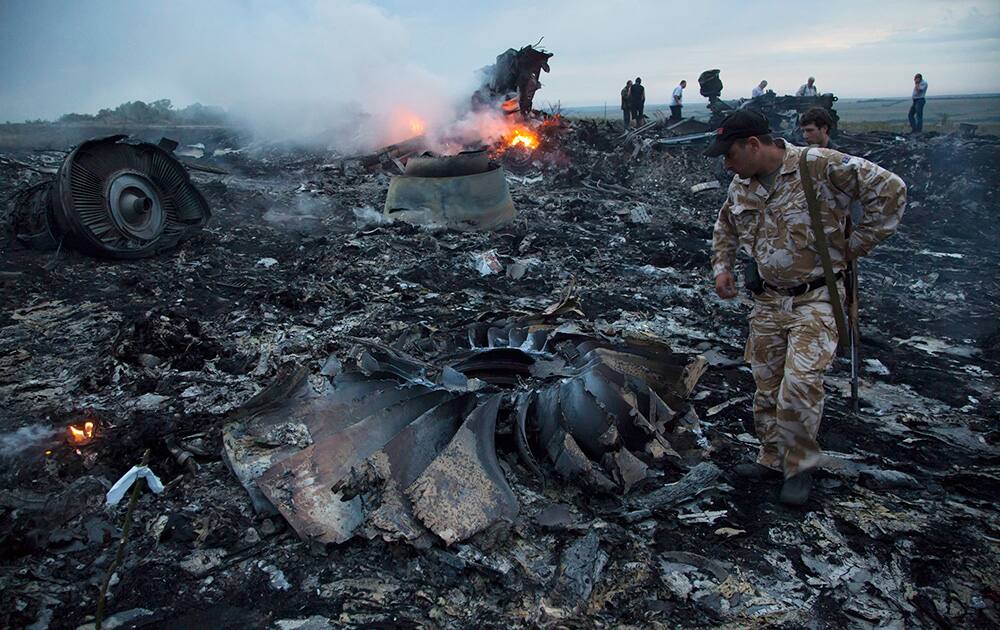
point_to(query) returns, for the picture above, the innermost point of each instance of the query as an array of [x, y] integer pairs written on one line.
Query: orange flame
[[523, 138], [417, 126], [82, 435]]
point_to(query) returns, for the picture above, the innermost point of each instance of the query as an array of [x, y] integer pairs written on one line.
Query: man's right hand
[[725, 285]]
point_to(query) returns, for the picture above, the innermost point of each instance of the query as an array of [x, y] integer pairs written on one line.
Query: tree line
[[155, 112]]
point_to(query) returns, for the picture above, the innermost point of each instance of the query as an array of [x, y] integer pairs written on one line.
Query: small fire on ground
[[80, 435]]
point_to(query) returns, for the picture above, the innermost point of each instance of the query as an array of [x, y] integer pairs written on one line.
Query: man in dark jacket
[[638, 98]]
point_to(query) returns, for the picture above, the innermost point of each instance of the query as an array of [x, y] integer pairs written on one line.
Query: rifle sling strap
[[823, 250]]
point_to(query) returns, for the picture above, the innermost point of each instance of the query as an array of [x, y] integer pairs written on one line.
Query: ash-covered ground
[[296, 266]]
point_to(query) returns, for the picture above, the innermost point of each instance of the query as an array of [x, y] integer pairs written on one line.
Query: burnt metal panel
[[524, 402], [463, 490], [583, 418], [480, 201], [382, 478], [301, 486], [463, 163]]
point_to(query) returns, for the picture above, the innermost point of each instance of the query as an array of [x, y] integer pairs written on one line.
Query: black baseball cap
[[742, 124]]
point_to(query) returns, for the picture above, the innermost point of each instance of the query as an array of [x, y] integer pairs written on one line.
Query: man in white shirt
[[676, 101], [916, 114], [808, 88], [759, 90]]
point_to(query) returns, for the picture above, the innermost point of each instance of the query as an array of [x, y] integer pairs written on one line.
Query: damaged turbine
[[390, 450], [114, 199]]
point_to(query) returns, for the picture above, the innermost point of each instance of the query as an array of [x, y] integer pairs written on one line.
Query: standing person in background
[[808, 88], [759, 90], [916, 114], [627, 103], [637, 96], [816, 125], [676, 101]]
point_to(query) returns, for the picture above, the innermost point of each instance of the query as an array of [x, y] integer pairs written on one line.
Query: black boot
[[753, 470], [795, 490]]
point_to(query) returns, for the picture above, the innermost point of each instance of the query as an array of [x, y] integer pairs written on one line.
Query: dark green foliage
[[157, 112]]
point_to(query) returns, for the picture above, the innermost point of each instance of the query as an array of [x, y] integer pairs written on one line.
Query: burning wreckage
[[308, 368], [513, 80]]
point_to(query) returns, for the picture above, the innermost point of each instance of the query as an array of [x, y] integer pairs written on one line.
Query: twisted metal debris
[[403, 450]]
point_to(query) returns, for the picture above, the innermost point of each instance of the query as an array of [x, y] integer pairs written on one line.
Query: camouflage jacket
[[785, 249]]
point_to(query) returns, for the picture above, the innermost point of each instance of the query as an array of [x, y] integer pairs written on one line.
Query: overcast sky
[[62, 56]]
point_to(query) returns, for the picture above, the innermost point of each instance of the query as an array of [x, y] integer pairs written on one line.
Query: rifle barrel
[[855, 331]]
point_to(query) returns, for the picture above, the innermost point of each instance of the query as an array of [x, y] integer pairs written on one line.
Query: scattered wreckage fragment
[[388, 450], [781, 111], [515, 75], [464, 191], [393, 154], [115, 199]]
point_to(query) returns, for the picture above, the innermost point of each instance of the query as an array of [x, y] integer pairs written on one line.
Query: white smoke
[[304, 216], [331, 73], [484, 126], [24, 438], [367, 217], [324, 72]]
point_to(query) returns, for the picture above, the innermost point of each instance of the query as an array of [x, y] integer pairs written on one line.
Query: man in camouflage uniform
[[793, 334]]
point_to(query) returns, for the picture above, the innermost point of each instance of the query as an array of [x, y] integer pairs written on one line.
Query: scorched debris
[[301, 289]]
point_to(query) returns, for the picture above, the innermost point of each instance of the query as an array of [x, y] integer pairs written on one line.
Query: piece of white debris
[[712, 185], [729, 532], [118, 490], [487, 263], [874, 366], [927, 252], [277, 577]]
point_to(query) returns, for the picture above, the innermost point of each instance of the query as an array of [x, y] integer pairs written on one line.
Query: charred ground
[[172, 345]]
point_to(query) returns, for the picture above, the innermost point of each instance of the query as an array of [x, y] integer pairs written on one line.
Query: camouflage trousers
[[792, 342]]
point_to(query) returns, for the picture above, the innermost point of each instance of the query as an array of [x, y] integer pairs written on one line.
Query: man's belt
[[805, 287]]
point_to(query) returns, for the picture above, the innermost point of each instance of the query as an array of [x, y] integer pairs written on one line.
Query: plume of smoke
[[320, 73], [329, 73], [24, 438], [485, 126], [326, 73], [303, 217], [367, 216]]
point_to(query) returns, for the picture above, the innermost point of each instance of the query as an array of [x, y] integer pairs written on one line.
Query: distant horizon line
[[839, 98], [603, 105]]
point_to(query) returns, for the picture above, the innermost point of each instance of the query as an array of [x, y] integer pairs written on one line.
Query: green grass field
[[942, 114]]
